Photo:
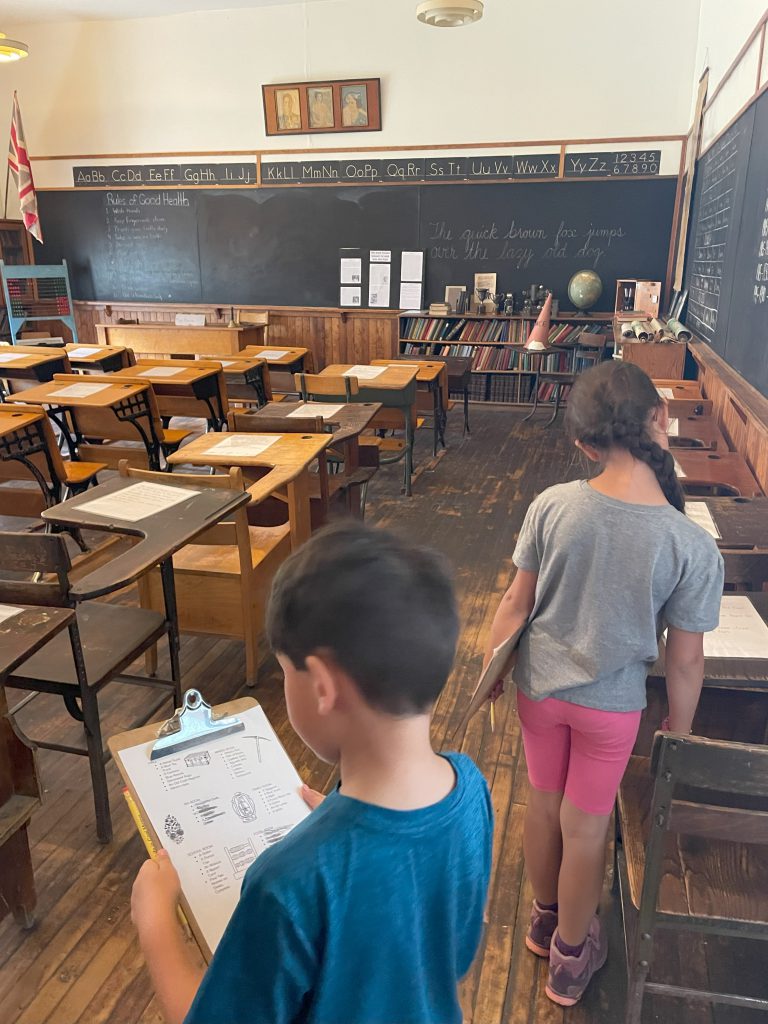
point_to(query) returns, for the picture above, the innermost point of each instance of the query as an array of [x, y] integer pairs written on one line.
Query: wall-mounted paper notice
[[673, 430], [741, 633], [215, 807], [351, 270], [349, 297], [138, 501], [378, 284], [698, 512], [244, 444], [410, 295], [411, 267], [190, 320], [381, 255]]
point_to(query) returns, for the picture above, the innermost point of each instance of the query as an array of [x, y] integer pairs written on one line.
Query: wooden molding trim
[[737, 60], [182, 307], [734, 119]]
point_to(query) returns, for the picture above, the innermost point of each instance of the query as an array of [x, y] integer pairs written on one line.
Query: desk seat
[[223, 559], [109, 635]]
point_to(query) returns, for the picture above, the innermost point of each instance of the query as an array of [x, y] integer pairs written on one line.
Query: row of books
[[512, 332], [492, 360]]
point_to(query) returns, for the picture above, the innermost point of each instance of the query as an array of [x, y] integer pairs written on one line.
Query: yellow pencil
[[149, 846], [493, 716]]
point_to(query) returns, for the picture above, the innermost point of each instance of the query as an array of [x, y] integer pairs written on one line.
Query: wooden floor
[[82, 963]]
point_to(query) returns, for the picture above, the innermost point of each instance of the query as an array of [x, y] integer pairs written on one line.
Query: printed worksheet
[[673, 430], [699, 512], [161, 371], [244, 444], [679, 471], [138, 501], [666, 392], [271, 355], [7, 611], [315, 409], [12, 357], [80, 390], [365, 372], [216, 807], [84, 350], [741, 633]]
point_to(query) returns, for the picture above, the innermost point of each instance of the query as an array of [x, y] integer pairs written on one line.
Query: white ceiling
[[25, 11]]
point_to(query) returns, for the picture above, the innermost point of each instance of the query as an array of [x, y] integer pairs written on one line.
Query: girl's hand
[[311, 797], [155, 894]]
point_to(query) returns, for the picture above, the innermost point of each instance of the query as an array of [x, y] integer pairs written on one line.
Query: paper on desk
[[666, 392], [12, 357], [365, 372], [227, 362], [7, 611], [80, 390], [378, 284], [138, 501], [315, 409], [85, 350], [412, 268], [410, 294], [351, 270], [698, 511], [215, 808], [673, 430], [162, 371], [271, 353], [679, 471], [244, 444], [741, 633]]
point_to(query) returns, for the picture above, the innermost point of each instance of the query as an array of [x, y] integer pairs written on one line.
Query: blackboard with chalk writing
[[279, 245]]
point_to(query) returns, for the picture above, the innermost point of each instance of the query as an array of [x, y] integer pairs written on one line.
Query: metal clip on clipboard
[[191, 724]]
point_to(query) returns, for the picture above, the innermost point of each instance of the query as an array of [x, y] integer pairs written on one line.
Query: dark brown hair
[[610, 406]]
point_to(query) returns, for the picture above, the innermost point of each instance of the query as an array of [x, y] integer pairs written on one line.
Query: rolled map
[[679, 330], [640, 327], [626, 330]]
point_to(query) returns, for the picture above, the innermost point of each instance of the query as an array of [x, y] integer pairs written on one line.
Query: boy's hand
[[155, 893], [311, 797]]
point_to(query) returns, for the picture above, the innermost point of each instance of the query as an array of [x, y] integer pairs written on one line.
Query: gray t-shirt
[[611, 577]]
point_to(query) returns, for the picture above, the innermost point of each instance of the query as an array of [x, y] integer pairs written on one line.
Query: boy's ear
[[592, 453], [324, 684]]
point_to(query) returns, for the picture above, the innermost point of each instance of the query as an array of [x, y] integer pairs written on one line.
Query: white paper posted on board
[[410, 294], [378, 284], [411, 267], [349, 297], [351, 270]]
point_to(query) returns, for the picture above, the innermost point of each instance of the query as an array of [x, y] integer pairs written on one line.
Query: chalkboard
[[279, 246], [727, 259]]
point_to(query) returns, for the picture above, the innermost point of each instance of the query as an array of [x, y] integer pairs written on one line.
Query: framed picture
[[306, 108]]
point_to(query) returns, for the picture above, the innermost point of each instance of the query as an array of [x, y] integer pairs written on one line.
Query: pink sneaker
[[570, 975], [541, 929]]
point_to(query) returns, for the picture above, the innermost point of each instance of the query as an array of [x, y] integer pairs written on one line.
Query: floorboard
[[82, 963]]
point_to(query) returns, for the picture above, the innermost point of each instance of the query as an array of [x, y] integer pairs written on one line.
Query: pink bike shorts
[[581, 752]]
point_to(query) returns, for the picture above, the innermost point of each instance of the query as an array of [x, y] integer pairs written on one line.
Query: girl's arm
[[513, 611], [684, 661]]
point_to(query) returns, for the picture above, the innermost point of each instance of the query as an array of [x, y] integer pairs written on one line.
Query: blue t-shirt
[[362, 915]]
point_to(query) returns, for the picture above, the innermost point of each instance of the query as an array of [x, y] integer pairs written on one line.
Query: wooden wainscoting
[[333, 335], [740, 409]]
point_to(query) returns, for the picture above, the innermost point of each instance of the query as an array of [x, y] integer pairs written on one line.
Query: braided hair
[[610, 406]]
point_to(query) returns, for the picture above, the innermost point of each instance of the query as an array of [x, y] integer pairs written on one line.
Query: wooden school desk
[[434, 376], [167, 339], [700, 432], [705, 469], [686, 398], [741, 522], [293, 360], [26, 366], [394, 388], [126, 400], [247, 380], [99, 358], [287, 461], [193, 388], [20, 637]]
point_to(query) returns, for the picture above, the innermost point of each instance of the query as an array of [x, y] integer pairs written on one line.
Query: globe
[[584, 289]]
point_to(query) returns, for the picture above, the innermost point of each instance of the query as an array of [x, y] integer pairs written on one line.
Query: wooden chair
[[30, 455], [100, 643], [223, 579], [314, 386], [255, 318], [745, 570], [693, 854]]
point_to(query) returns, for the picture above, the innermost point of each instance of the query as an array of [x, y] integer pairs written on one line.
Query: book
[[496, 671]]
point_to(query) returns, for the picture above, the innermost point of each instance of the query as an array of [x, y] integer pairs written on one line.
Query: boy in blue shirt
[[370, 910]]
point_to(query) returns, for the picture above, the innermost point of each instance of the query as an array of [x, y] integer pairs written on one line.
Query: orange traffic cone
[[538, 338]]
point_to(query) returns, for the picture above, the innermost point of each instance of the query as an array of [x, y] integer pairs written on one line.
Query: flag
[[21, 169]]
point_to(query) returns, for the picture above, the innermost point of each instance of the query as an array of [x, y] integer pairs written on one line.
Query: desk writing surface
[[19, 357], [45, 394], [160, 535], [166, 374], [741, 522], [679, 388], [22, 634], [92, 353], [353, 418], [393, 378], [705, 467], [698, 428], [291, 453], [292, 353], [12, 420], [215, 807], [426, 372]]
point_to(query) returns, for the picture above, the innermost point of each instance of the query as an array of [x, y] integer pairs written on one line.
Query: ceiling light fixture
[[449, 13], [12, 49]]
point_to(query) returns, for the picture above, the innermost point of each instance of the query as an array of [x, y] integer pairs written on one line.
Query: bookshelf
[[502, 371]]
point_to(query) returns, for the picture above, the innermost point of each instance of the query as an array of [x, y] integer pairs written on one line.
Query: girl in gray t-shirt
[[603, 567]]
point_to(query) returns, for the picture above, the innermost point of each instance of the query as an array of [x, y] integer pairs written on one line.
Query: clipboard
[[498, 669], [121, 742]]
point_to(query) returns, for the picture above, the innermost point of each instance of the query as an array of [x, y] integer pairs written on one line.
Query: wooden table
[[176, 383], [287, 460], [741, 522], [98, 358], [31, 363], [20, 795], [394, 388], [167, 339], [726, 468], [435, 376], [698, 432]]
